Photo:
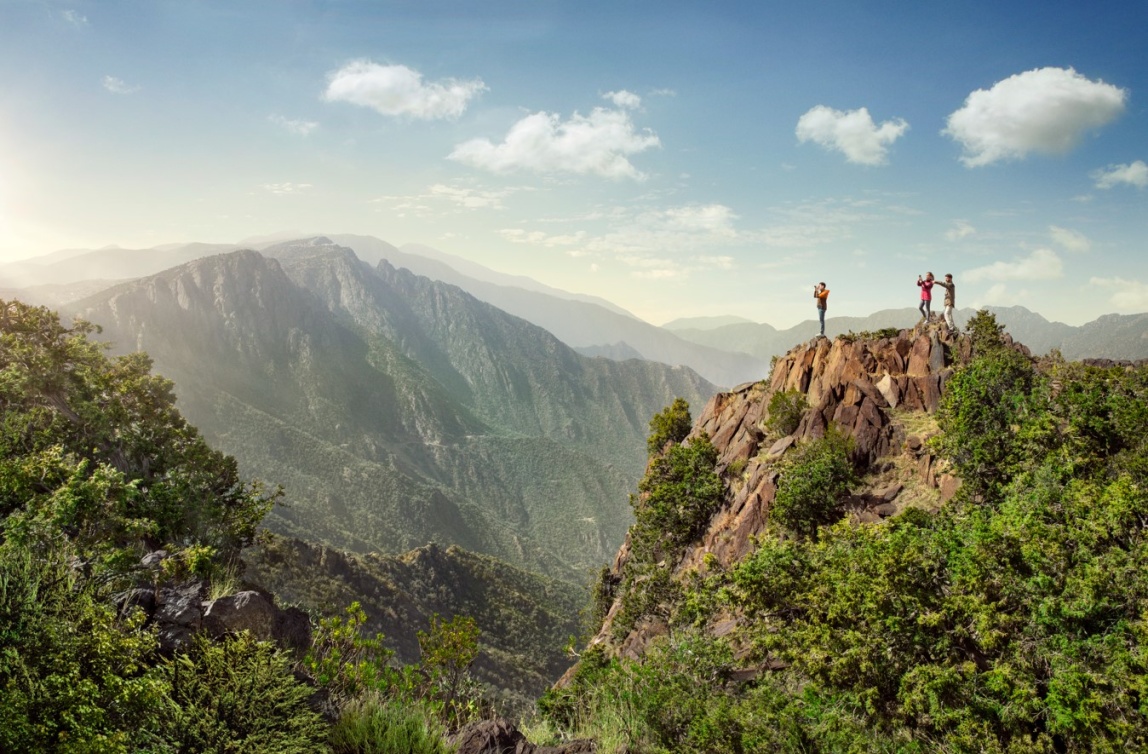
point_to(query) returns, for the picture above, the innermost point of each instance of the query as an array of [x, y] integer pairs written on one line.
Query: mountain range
[[725, 350], [397, 410]]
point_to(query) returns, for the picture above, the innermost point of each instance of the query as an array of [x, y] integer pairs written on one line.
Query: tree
[[95, 449], [671, 424]]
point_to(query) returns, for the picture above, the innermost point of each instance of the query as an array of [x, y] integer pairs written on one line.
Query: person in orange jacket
[[821, 294]]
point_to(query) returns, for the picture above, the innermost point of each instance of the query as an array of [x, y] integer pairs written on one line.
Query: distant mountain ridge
[[397, 410], [1112, 336], [725, 350]]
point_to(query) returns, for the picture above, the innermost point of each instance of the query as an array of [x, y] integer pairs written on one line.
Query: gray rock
[[245, 611]]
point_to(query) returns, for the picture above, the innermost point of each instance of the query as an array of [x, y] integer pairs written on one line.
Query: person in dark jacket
[[950, 299]]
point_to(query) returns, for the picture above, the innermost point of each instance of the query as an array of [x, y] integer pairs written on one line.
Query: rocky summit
[[880, 390]]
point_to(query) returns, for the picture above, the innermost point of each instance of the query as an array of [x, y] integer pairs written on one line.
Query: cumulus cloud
[[286, 188], [1127, 295], [1041, 264], [118, 86], [1134, 174], [852, 133], [624, 99], [597, 144], [960, 229], [297, 127], [1045, 110], [1071, 240], [396, 90]]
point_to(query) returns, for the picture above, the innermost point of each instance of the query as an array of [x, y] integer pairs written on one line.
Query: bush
[[671, 424], [238, 695], [374, 724], [785, 411], [812, 484], [72, 677], [680, 493]]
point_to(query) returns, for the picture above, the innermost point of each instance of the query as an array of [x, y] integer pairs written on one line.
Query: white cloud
[[1071, 240], [706, 218], [852, 133], [624, 99], [465, 197], [1045, 110], [960, 229], [469, 198], [1127, 295], [287, 188], [117, 86], [397, 90], [1135, 174], [597, 144], [1041, 264], [298, 127], [75, 18], [540, 238]]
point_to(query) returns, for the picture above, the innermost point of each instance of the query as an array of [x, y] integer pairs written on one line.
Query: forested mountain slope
[[395, 410]]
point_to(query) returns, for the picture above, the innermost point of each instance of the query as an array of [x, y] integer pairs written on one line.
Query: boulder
[[245, 611]]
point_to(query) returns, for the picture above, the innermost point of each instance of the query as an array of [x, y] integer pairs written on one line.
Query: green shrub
[[680, 492], [73, 678], [671, 424], [812, 484], [375, 724], [785, 410], [238, 695], [448, 649]]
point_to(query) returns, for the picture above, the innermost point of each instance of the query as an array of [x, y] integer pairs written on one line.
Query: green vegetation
[[97, 468], [786, 407], [813, 481], [671, 424], [884, 332], [679, 494], [1013, 619]]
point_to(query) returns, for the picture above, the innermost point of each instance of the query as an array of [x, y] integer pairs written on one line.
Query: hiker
[[821, 293], [950, 298], [926, 306]]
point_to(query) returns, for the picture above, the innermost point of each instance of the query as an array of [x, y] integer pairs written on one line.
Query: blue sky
[[677, 158]]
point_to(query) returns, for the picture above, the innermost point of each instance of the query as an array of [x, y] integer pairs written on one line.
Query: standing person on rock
[[950, 299], [821, 295], [926, 286]]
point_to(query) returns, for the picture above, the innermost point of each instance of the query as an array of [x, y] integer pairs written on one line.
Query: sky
[[679, 159]]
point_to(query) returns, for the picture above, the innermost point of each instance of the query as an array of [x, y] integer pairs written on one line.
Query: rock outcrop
[[501, 737], [879, 391], [181, 610]]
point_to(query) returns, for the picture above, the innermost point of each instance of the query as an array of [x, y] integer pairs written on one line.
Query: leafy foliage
[[72, 677], [94, 449], [238, 695], [671, 424], [1011, 620], [786, 408], [812, 484]]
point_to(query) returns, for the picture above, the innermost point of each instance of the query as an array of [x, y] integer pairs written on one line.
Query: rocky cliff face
[[882, 392]]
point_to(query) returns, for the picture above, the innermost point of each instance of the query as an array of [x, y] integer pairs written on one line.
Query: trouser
[[926, 308], [949, 317], [821, 316]]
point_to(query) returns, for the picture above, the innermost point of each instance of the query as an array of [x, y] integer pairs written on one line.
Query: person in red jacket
[[926, 285], [821, 294]]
